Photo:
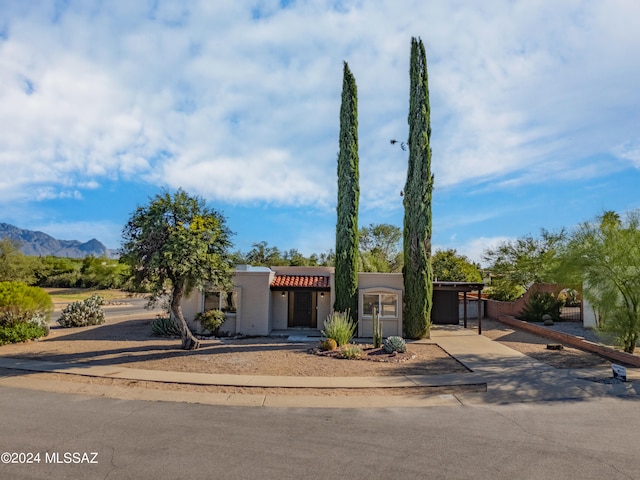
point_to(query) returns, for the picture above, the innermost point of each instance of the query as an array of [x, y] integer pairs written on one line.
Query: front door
[[301, 310]]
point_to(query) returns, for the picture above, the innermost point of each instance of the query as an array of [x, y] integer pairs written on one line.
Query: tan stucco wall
[[380, 283], [279, 307], [255, 318], [195, 303], [261, 310], [253, 310], [324, 309]]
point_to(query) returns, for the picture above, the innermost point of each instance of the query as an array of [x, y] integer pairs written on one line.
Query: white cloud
[[475, 248], [245, 110], [629, 151]]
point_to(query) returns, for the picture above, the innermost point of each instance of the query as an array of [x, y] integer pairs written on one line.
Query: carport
[[446, 302]]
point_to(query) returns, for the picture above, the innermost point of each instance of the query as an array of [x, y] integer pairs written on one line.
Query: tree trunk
[[189, 342]]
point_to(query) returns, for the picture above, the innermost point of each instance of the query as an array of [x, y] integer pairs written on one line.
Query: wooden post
[[480, 312], [464, 301]]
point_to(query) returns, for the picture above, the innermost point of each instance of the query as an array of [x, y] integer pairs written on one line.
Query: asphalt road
[[131, 306], [597, 439]]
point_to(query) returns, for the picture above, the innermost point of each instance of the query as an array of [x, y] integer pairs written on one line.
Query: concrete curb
[[124, 373], [576, 342]]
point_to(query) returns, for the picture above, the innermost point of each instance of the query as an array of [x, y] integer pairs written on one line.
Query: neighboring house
[[266, 300]]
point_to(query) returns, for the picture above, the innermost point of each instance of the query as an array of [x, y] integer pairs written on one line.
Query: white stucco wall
[[588, 315]]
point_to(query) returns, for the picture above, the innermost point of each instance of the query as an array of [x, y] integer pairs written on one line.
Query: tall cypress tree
[[418, 274], [346, 264]]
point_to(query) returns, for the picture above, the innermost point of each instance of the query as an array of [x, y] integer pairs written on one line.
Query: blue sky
[[102, 104]]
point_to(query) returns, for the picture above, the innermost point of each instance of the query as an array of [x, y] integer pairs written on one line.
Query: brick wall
[[570, 340]]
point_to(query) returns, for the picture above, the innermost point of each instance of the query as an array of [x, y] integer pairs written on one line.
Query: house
[[273, 299]]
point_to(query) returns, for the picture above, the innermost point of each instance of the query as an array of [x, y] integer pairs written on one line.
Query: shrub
[[20, 332], [351, 351], [20, 303], [570, 297], [83, 313], [165, 327], [328, 345], [339, 326], [539, 304], [211, 320], [395, 344]]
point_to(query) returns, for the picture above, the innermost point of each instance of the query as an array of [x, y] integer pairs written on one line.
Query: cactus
[[377, 329], [395, 344], [83, 313], [328, 344]]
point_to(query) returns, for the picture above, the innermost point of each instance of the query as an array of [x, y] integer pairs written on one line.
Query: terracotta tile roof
[[318, 282]]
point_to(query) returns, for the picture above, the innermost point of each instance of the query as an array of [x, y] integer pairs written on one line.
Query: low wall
[[572, 341], [495, 308]]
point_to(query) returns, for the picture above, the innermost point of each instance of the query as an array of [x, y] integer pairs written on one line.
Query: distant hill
[[40, 244]]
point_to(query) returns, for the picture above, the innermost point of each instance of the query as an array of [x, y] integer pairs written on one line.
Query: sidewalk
[[509, 376], [514, 377]]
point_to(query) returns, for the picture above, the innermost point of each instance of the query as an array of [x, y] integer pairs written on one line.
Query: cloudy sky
[[535, 113]]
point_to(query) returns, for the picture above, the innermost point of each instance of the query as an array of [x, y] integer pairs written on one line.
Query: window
[[385, 303], [225, 301]]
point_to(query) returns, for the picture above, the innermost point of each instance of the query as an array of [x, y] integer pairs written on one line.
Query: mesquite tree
[[176, 242], [418, 282], [346, 263]]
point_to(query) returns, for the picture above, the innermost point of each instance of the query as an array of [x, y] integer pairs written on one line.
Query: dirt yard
[[128, 342]]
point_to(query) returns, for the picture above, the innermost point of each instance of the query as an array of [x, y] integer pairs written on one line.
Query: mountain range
[[34, 243]]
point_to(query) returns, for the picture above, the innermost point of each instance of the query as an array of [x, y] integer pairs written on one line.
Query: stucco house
[[268, 300]]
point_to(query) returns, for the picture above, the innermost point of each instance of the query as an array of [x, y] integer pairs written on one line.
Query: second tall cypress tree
[[418, 275], [346, 276]]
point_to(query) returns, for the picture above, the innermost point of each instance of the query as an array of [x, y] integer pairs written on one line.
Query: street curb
[[577, 342]]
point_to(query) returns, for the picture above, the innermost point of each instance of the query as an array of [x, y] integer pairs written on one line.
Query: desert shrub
[[570, 297], [539, 304], [328, 345], [20, 303], [339, 326], [20, 332], [351, 351], [211, 320], [83, 313], [395, 344], [165, 327]]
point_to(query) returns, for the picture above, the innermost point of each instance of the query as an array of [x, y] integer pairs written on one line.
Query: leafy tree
[[346, 276], [448, 266], [14, 265], [58, 272], [418, 275], [263, 255], [380, 248], [294, 258], [101, 272], [516, 264], [327, 259], [605, 257], [176, 242]]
